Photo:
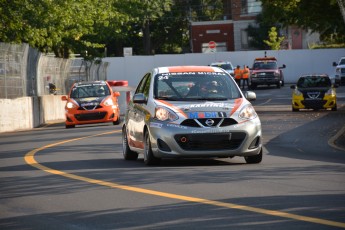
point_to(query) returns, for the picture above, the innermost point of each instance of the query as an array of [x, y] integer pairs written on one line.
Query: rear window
[[313, 82]]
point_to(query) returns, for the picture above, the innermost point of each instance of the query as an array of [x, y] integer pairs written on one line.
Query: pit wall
[[30, 112]]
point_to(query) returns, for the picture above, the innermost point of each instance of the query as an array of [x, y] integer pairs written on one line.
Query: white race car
[[191, 112]]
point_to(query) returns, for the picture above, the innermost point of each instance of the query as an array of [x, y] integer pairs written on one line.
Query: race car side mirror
[[250, 95], [139, 98]]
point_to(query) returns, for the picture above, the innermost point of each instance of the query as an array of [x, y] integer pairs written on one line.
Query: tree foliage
[[322, 16], [93, 28], [274, 41]]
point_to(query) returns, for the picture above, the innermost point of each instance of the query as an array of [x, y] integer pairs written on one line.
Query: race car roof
[[175, 69]]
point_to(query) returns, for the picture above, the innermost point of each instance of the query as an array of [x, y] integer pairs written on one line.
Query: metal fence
[[13, 64], [26, 72]]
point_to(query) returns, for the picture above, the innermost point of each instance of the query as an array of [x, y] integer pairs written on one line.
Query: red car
[[92, 102]]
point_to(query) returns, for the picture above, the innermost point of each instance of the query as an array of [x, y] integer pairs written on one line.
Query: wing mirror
[[139, 98], [250, 95]]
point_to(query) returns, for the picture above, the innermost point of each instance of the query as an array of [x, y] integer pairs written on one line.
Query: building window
[[251, 6], [244, 39]]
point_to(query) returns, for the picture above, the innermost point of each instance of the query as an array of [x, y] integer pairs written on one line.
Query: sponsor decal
[[156, 125], [176, 126], [202, 115], [147, 117], [89, 99], [89, 104], [211, 105]]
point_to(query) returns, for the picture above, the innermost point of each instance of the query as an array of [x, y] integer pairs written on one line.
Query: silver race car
[[191, 112]]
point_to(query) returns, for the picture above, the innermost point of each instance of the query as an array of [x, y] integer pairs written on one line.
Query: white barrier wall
[[298, 62], [30, 112]]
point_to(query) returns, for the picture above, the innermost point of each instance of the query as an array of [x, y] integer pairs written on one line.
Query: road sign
[[212, 45]]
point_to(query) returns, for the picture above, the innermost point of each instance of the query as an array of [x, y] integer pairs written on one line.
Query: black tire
[[127, 153], [118, 121], [283, 83], [70, 126], [254, 159], [335, 108], [149, 158], [278, 85], [294, 110]]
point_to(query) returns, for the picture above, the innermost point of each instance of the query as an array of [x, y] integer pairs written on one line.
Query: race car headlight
[[164, 114], [297, 92], [70, 105], [276, 74], [253, 75], [330, 92], [337, 70], [247, 113], [108, 102]]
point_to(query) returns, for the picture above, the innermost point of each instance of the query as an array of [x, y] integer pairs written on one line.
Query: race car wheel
[[127, 153], [294, 110], [149, 158], [70, 126], [118, 121], [254, 159], [335, 108]]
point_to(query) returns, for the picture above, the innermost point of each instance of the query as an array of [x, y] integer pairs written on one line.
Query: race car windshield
[[313, 82], [195, 86], [223, 66], [265, 65], [84, 91]]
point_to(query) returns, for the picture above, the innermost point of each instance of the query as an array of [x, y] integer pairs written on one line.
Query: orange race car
[[92, 102]]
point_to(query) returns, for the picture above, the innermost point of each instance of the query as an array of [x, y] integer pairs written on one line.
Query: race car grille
[[228, 122], [90, 116], [314, 104], [90, 107], [210, 141], [205, 122]]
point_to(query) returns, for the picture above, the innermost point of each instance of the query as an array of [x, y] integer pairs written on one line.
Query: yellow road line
[[30, 159]]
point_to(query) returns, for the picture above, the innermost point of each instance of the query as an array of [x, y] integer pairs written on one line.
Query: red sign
[[212, 45]]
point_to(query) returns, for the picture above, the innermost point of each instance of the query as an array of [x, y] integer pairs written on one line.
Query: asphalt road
[[53, 178]]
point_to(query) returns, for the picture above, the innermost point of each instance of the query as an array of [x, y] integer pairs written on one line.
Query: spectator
[[238, 75], [245, 76]]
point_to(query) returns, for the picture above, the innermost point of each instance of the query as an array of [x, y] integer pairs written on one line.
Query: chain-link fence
[[13, 64], [26, 72]]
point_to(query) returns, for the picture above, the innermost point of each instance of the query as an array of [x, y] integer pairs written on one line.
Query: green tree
[[59, 26], [322, 16], [274, 41]]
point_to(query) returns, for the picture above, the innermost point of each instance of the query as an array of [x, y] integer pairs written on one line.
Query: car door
[[137, 114]]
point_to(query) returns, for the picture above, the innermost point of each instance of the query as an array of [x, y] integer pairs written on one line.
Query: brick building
[[230, 34]]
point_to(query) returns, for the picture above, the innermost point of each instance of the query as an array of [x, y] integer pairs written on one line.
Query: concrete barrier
[[30, 112]]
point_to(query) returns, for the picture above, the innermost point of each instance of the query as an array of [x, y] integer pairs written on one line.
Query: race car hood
[[204, 109], [89, 101]]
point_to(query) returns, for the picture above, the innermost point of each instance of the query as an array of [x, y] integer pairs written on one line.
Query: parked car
[[339, 76], [226, 65], [91, 102], [265, 71], [190, 112], [314, 92]]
